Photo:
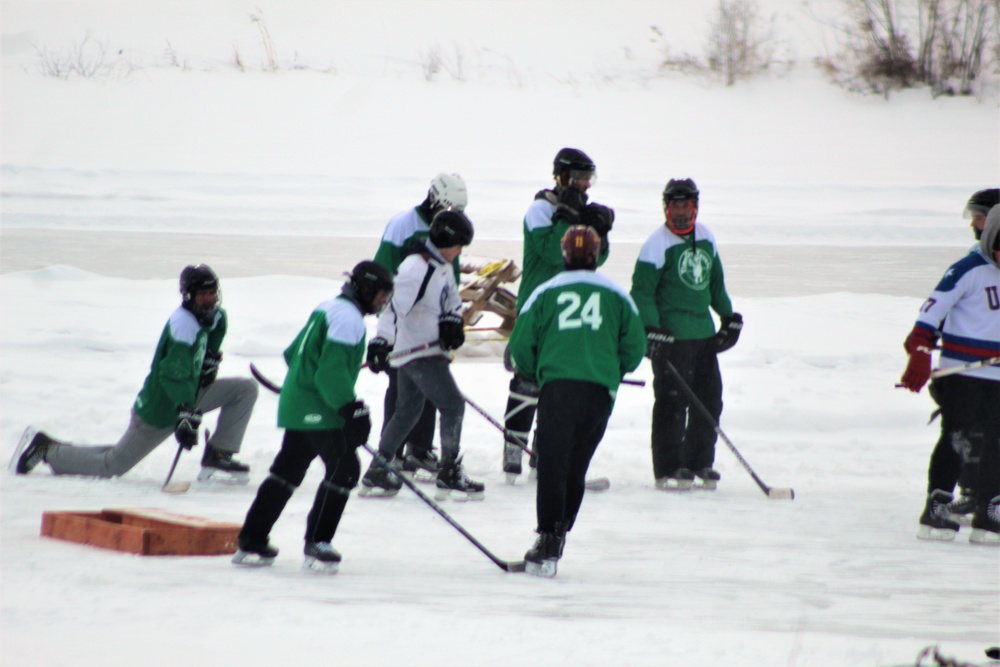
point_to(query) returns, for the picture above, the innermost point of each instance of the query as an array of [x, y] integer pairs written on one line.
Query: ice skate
[[255, 554], [381, 480], [962, 507], [935, 522], [220, 466], [541, 559], [451, 481], [986, 529], [681, 479], [30, 451], [421, 466], [512, 462], [709, 478], [321, 557]]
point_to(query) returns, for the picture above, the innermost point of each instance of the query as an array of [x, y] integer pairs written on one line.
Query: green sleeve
[[645, 278], [217, 334], [336, 373], [721, 303], [177, 372], [390, 256], [632, 345], [523, 341]]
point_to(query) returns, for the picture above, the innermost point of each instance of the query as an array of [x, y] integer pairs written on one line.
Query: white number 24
[[590, 314]]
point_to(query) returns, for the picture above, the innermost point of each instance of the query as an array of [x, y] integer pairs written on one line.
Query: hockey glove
[[209, 368], [186, 428], [571, 202], [658, 342], [599, 217], [378, 354], [729, 332], [918, 345], [451, 331], [357, 423]]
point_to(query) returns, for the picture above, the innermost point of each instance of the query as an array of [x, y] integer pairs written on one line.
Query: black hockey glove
[[658, 342], [599, 217], [571, 201], [378, 354], [209, 368], [729, 332], [186, 428], [451, 331], [357, 423]]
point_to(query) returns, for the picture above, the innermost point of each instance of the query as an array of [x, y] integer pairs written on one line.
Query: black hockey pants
[[572, 417], [298, 449], [681, 436]]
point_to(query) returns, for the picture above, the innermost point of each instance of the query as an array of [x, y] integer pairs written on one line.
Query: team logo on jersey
[[695, 268]]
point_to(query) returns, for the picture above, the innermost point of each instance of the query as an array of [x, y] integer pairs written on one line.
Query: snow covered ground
[[835, 215]]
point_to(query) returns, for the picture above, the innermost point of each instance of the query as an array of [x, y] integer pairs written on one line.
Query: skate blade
[[512, 478], [597, 484], [247, 559], [982, 536], [311, 564], [22, 444], [674, 485], [936, 534], [222, 477], [459, 496], [547, 568], [376, 492]]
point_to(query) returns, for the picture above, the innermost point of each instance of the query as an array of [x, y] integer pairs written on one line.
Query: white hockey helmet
[[448, 191]]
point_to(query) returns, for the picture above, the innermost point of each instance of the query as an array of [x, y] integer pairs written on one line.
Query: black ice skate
[[421, 466], [451, 480], [30, 451], [512, 461], [321, 557], [935, 522], [254, 554], [541, 559], [986, 529], [709, 478], [220, 466], [381, 480], [681, 479], [962, 507]]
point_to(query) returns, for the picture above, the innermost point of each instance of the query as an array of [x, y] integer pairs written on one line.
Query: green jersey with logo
[[677, 279], [579, 325], [323, 361], [176, 368]]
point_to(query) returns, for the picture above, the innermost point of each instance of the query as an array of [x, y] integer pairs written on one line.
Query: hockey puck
[[993, 653]]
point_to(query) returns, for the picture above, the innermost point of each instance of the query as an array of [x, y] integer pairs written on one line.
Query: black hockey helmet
[[367, 279], [193, 280], [572, 159], [680, 189], [451, 228], [980, 203], [581, 247]]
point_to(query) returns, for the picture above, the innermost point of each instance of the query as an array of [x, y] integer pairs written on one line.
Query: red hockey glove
[[918, 345]]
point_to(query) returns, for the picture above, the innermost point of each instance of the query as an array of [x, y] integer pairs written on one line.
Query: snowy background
[[836, 215]]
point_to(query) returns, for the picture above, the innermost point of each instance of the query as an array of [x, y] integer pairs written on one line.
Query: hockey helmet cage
[[451, 228], [448, 191], [368, 279], [581, 247]]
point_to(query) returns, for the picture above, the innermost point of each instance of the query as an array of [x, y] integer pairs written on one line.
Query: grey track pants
[[426, 379], [235, 397]]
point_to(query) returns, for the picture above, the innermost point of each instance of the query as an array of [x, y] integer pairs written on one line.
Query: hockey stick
[[774, 494], [634, 383], [595, 484], [505, 565], [954, 370], [179, 487]]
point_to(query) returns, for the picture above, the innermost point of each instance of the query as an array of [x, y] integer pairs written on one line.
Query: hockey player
[[576, 337], [322, 417], [406, 233], [677, 278], [180, 387], [423, 323], [965, 309], [956, 453], [548, 218]]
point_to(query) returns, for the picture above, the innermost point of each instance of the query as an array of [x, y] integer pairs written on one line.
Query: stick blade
[[781, 494], [514, 566], [176, 487]]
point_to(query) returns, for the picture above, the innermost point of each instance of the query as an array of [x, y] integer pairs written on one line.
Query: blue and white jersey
[[967, 301]]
